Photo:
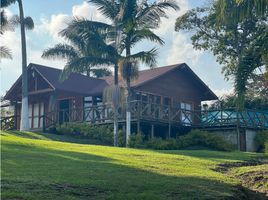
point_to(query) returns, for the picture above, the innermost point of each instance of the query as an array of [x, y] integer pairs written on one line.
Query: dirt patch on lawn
[[254, 184]]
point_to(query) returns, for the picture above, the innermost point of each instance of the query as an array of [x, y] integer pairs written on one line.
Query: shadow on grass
[[30, 172]]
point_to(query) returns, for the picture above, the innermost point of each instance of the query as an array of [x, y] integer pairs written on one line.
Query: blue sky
[[50, 17]]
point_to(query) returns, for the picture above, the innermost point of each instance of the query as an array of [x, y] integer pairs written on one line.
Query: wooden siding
[[176, 85]]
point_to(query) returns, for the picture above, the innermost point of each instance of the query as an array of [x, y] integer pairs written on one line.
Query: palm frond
[[61, 51], [6, 3], [146, 57], [82, 64], [151, 14], [144, 34], [5, 52], [5, 23], [29, 23], [108, 8]]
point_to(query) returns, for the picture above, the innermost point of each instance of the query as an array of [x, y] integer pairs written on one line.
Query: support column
[[138, 126], [169, 129], [152, 131]]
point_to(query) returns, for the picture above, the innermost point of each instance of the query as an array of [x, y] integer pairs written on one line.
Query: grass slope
[[35, 166]]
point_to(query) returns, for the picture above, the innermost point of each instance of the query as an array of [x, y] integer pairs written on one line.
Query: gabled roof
[[76, 83], [146, 76], [84, 85]]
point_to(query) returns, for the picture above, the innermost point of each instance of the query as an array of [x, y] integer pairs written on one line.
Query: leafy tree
[[238, 45], [24, 23]]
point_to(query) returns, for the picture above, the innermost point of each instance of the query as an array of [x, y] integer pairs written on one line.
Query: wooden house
[[79, 98]]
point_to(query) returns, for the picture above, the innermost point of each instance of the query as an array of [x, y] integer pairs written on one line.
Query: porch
[[155, 114]]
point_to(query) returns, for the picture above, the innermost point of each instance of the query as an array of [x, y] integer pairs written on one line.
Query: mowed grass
[[35, 166]]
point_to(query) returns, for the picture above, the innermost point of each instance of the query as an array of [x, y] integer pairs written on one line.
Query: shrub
[[102, 133], [161, 144], [136, 141], [266, 147], [261, 140], [204, 139]]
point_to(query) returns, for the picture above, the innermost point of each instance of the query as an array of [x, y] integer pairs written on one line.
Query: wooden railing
[[8, 123], [163, 114]]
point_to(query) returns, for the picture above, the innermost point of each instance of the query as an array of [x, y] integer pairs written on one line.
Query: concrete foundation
[[245, 140]]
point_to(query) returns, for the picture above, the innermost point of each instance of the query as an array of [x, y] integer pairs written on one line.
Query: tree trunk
[[116, 108], [128, 110], [24, 125], [128, 117]]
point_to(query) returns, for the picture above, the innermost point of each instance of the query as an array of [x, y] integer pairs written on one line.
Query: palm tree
[[83, 54], [5, 52], [22, 21], [132, 22]]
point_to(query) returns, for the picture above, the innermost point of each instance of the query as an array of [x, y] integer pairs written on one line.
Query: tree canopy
[[239, 44]]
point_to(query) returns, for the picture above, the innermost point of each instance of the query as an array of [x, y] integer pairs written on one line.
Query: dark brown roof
[[151, 74], [76, 82], [81, 84], [144, 75]]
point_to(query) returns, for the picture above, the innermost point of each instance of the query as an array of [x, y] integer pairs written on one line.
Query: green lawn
[[35, 166]]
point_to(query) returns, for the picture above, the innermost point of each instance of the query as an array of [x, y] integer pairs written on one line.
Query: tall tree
[[24, 125], [238, 44], [133, 21], [83, 55]]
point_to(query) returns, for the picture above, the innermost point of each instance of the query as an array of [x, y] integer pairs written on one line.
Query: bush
[[204, 139], [266, 147], [261, 140], [161, 144], [102, 133], [136, 141]]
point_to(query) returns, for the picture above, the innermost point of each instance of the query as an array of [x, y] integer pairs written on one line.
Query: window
[[186, 114], [35, 112]]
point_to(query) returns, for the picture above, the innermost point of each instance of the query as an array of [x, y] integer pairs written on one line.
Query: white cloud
[[88, 11], [167, 24], [182, 51], [52, 26]]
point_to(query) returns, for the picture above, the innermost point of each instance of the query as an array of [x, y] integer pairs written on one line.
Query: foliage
[[136, 141], [161, 144], [251, 102], [83, 55], [266, 147], [67, 170], [103, 133], [205, 139], [194, 139], [9, 24], [239, 45], [261, 140]]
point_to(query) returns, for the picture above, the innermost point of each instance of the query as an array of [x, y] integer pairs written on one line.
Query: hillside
[[36, 166]]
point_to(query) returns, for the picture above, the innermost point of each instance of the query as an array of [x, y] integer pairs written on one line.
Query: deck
[[155, 113]]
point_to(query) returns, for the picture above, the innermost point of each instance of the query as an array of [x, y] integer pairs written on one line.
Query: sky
[[50, 17]]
